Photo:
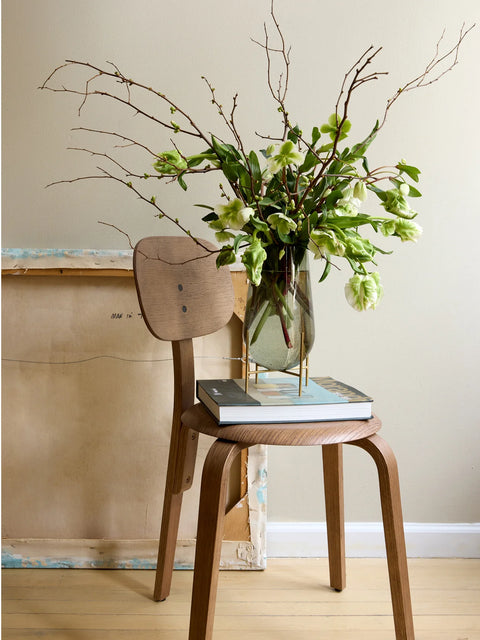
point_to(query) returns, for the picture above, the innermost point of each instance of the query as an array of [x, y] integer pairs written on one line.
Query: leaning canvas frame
[[34, 272]]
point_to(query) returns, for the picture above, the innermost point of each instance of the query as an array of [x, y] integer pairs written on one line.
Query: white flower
[[325, 242], [360, 191], [349, 204], [281, 222], [407, 230], [233, 214], [364, 292]]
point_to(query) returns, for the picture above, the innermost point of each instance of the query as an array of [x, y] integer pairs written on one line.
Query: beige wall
[[418, 354]]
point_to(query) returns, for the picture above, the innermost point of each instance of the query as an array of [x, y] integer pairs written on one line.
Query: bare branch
[[157, 257], [107, 224], [127, 82], [425, 79], [118, 135]]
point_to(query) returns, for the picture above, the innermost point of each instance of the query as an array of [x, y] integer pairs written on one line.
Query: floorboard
[[290, 600]]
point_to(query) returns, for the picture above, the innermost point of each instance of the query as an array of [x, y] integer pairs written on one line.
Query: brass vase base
[[300, 371]]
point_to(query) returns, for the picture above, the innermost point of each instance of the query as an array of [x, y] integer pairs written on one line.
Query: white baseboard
[[365, 540]]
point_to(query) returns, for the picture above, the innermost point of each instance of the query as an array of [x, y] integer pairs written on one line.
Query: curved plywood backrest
[[181, 292]]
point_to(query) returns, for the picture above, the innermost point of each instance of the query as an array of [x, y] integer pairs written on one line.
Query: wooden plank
[[119, 554], [110, 273], [288, 600]]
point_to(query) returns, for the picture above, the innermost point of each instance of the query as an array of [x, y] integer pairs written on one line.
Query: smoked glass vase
[[278, 327]]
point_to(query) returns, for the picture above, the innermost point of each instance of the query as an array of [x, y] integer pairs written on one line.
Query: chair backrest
[[181, 292]]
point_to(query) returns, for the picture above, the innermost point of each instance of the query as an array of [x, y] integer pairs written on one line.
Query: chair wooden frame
[[182, 295]]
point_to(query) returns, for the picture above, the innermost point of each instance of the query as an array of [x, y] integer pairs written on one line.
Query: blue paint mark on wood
[[17, 561], [22, 254]]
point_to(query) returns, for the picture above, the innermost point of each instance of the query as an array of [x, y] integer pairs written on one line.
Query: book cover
[[276, 399]]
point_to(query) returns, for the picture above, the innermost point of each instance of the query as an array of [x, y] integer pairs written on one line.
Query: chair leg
[[334, 507], [394, 533], [181, 464], [211, 517]]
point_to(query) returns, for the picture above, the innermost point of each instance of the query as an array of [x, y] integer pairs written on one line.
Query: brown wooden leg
[[211, 517], [394, 534], [181, 464], [334, 507]]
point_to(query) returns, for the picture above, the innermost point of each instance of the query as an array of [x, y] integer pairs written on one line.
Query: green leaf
[[326, 271], [194, 161], [414, 193], [254, 166], [412, 172], [294, 133], [225, 151], [382, 251], [380, 193], [326, 147], [356, 267], [260, 225], [181, 181], [310, 161], [315, 135], [204, 206], [230, 170], [268, 202], [285, 238], [332, 198], [210, 216], [238, 240], [245, 180], [226, 256], [351, 222]]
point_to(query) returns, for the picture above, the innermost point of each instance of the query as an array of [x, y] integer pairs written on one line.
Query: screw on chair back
[[181, 292]]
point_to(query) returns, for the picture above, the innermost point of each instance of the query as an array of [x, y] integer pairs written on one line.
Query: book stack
[[276, 399]]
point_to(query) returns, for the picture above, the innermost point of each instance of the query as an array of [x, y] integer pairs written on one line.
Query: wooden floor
[[290, 600]]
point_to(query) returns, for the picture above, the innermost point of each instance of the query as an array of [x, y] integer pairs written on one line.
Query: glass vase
[[278, 327]]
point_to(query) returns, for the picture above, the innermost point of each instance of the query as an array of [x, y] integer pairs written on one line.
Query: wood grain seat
[[284, 434], [183, 295]]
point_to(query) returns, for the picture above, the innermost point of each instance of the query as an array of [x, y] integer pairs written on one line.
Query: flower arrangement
[[298, 193]]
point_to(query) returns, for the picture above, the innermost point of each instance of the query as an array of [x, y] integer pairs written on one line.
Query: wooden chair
[[182, 297]]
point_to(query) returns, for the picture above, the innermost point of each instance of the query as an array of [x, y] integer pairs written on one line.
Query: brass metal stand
[[299, 371]]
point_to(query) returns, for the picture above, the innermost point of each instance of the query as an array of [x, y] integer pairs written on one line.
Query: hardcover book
[[275, 399]]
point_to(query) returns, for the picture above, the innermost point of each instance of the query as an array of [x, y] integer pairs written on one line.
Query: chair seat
[[200, 419]]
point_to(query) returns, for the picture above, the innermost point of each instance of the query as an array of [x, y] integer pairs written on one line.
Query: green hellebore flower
[[270, 149], [349, 203], [360, 248], [364, 291], [396, 203], [253, 258], [332, 127], [170, 163], [287, 154], [323, 243], [234, 214], [347, 208], [388, 228], [407, 230], [360, 191], [281, 222]]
